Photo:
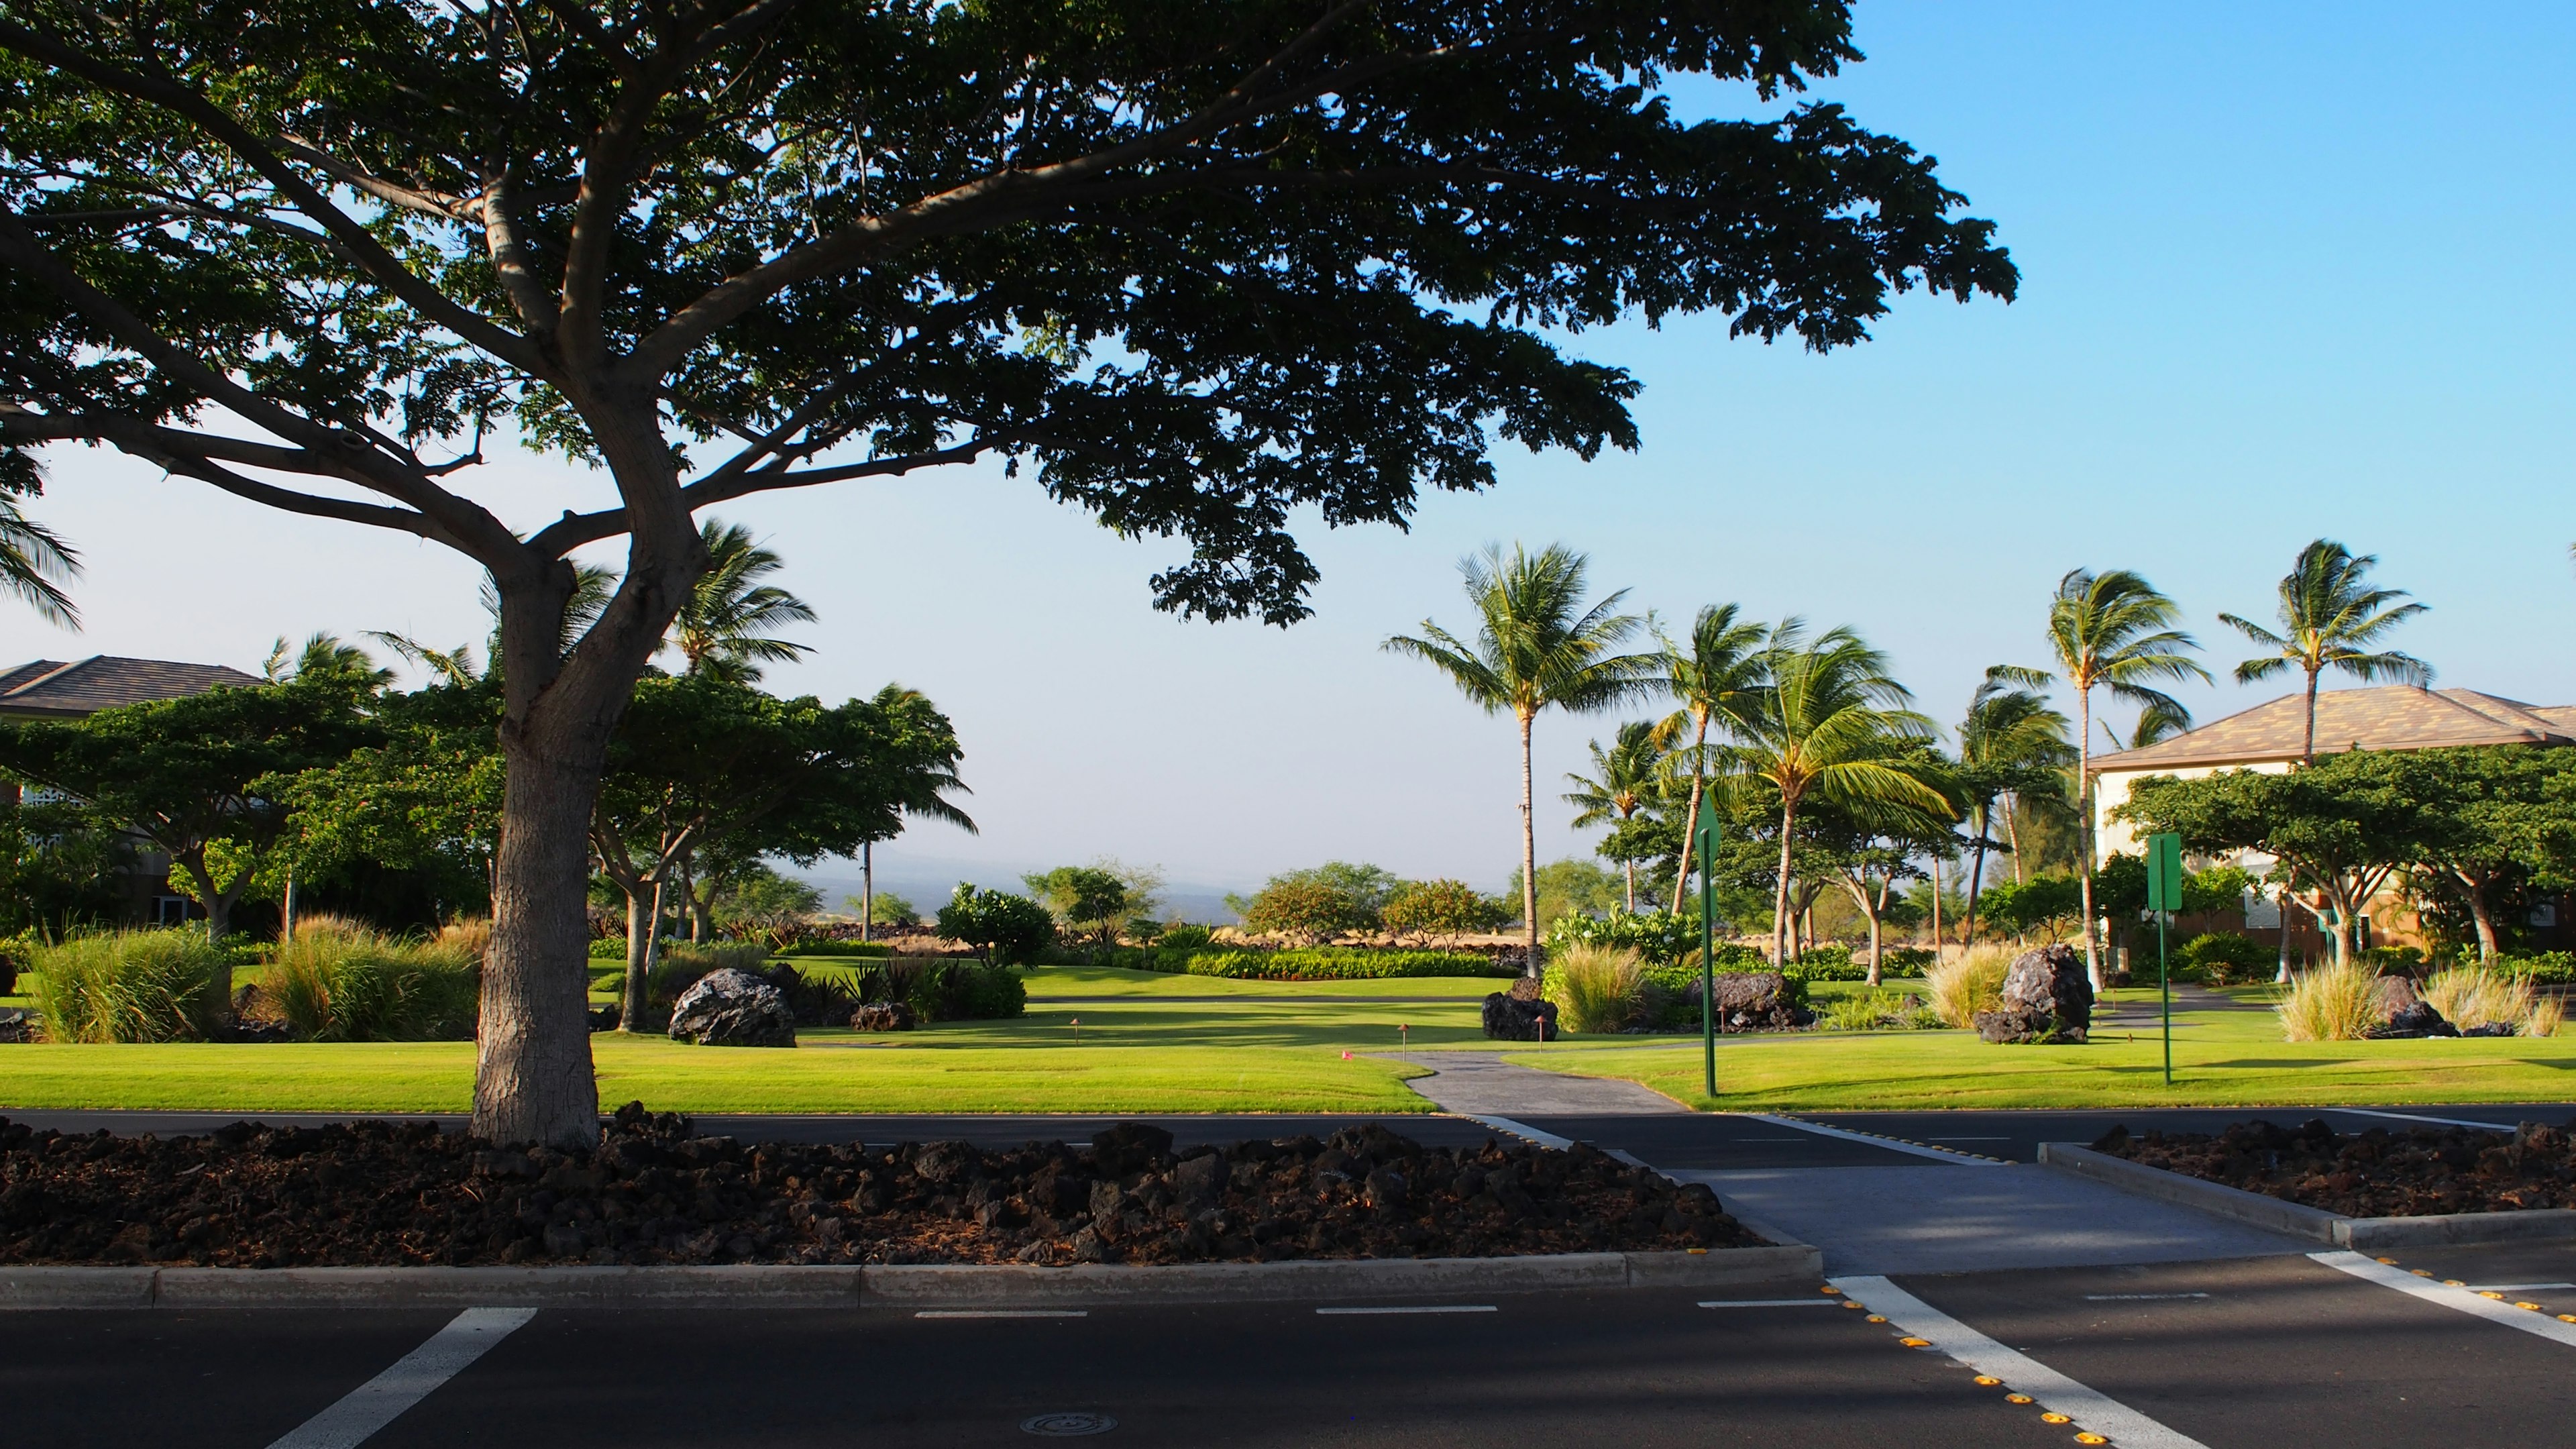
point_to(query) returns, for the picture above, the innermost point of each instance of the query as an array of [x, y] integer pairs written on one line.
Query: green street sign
[[2164, 872]]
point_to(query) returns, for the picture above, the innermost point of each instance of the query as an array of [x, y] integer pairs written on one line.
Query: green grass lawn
[[1277, 1047], [2221, 1058]]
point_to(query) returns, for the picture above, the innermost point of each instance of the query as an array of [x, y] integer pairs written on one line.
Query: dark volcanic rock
[[884, 1016], [2405, 1013], [652, 1192], [15, 1026], [2420, 1172], [1752, 1001], [1510, 1018], [733, 1008], [2046, 998]]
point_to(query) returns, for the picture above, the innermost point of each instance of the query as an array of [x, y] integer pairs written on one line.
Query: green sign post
[[1704, 849], [2164, 897]]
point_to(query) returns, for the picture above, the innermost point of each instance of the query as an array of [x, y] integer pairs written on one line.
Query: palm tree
[[2010, 740], [1829, 726], [1717, 675], [722, 630], [35, 563], [2113, 631], [1625, 778], [1537, 646], [2329, 619]]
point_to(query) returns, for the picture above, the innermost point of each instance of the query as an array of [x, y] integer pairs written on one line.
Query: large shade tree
[[2331, 617], [1192, 267], [1539, 645]]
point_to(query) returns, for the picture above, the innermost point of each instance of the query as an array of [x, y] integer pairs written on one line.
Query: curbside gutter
[[2301, 1221], [891, 1286]]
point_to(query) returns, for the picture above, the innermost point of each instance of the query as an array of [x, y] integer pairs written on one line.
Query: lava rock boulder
[[1510, 1018], [733, 1008], [1751, 1001], [2403, 1013], [884, 1016], [2046, 998]]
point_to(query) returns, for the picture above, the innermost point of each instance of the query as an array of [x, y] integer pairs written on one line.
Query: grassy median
[[1278, 1047]]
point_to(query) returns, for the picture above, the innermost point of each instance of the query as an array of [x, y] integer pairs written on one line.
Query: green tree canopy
[[1196, 268]]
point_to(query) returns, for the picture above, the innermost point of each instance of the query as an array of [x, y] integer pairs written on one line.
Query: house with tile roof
[[2268, 738], [62, 690], [77, 689]]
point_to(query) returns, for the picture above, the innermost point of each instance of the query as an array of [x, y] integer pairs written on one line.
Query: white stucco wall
[[2111, 790]]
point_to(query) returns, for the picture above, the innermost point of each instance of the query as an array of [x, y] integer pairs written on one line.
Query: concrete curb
[[2301, 1221], [922, 1286]]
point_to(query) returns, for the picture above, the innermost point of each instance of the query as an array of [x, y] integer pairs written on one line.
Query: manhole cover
[[1068, 1426]]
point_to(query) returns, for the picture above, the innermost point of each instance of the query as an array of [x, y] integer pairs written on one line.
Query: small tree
[[1303, 905], [1448, 908], [1083, 896], [1004, 929], [885, 908]]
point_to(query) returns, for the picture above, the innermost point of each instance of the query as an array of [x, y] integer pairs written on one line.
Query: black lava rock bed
[[379, 1193], [2417, 1172]]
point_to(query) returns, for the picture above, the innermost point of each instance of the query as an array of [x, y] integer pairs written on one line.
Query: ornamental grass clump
[[2548, 1014], [2471, 996], [2331, 1003], [1969, 983], [1876, 1011], [1596, 988], [132, 986], [341, 981]]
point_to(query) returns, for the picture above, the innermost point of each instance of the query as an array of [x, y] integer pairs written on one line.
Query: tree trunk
[[1690, 822], [1781, 924], [1976, 878], [2084, 835], [639, 959], [2308, 747], [2281, 976], [867, 886], [1630, 867], [532, 1078], [1529, 855], [2485, 920], [219, 912], [2012, 834], [1938, 945]]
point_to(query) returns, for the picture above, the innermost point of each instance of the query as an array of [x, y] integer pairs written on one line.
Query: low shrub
[[1653, 935], [132, 986], [1328, 963], [1905, 960], [1184, 938], [1595, 988], [1966, 984], [2337, 1002], [1826, 963], [937, 988], [339, 981], [608, 948], [1877, 1011], [1731, 956], [2470, 996], [1004, 929], [2223, 958], [2545, 968]]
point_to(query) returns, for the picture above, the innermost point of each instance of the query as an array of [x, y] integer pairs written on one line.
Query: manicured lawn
[[1277, 1047], [2221, 1058]]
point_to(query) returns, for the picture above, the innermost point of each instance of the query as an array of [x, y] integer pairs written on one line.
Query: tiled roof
[[2389, 717], [53, 689]]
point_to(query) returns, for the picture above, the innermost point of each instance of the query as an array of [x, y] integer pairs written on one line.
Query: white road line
[[2136, 1297], [2515, 1287], [2461, 1299], [1773, 1303], [1937, 1154], [1003, 1313], [2418, 1117], [380, 1400], [1410, 1308], [1520, 1129], [2089, 1408]]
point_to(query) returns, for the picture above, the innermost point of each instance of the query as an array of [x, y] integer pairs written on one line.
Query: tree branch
[[360, 246]]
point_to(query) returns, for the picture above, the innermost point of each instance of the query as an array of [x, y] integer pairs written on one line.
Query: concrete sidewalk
[[1482, 1084], [1935, 1219]]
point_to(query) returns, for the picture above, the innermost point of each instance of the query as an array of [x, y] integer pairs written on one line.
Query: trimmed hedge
[[837, 948], [2545, 968], [1326, 963]]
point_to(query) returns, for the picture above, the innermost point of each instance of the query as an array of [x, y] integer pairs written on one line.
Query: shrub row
[[1323, 963]]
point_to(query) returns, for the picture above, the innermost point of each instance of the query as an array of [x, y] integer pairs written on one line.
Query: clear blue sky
[[2287, 271]]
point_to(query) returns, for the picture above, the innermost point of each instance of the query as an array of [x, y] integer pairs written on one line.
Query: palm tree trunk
[[2281, 976], [1976, 877], [1780, 923], [2084, 834], [2308, 750], [867, 886], [1529, 855], [1690, 823], [2012, 833], [1630, 867], [1936, 906]]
